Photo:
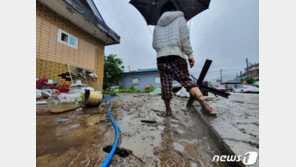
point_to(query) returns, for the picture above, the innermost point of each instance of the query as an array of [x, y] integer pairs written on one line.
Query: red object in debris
[[65, 87], [43, 83]]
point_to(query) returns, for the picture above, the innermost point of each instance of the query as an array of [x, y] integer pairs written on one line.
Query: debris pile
[[66, 96]]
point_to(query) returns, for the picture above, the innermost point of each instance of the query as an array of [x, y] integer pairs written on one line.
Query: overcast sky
[[227, 33]]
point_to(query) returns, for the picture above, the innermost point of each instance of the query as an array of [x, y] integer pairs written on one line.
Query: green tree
[[249, 79], [112, 69]]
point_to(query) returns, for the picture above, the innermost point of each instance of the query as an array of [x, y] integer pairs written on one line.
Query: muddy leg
[[168, 111], [190, 101], [195, 92]]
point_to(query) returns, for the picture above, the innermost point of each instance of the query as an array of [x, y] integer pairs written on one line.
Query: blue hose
[[109, 157]]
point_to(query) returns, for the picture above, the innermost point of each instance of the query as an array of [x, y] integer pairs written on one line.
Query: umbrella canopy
[[150, 9]]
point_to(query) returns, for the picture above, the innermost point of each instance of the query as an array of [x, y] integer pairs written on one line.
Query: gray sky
[[227, 33]]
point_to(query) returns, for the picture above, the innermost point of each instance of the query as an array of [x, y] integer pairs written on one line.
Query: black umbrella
[[150, 9]]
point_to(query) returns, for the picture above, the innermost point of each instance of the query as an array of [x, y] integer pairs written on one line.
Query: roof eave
[[137, 72], [67, 9]]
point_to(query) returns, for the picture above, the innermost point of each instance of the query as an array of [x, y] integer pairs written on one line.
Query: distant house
[[232, 83], [70, 40], [139, 79], [252, 70]]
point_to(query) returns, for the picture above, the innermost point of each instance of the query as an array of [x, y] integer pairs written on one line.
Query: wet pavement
[[238, 121], [77, 138]]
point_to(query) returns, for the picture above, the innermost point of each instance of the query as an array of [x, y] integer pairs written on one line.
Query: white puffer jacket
[[171, 35]]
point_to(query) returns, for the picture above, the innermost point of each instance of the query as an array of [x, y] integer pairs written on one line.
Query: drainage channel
[[215, 138]]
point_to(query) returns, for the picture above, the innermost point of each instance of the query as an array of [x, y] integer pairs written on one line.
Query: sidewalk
[[237, 121]]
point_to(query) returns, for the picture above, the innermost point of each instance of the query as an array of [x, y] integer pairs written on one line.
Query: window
[[64, 37], [67, 39], [135, 81], [72, 41], [157, 79]]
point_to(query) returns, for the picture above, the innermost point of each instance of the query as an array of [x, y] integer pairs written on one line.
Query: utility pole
[[247, 61], [221, 76]]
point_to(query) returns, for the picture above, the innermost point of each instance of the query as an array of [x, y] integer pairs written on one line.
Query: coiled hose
[[109, 157]]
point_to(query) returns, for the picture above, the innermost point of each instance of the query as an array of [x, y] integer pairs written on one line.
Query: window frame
[[138, 80], [59, 38]]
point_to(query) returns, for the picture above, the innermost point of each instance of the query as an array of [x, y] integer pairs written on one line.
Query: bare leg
[[195, 92], [168, 111]]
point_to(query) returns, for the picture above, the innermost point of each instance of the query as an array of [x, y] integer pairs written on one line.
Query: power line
[[225, 71], [221, 76]]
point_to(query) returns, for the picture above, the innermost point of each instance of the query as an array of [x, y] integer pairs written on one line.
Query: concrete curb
[[217, 139]]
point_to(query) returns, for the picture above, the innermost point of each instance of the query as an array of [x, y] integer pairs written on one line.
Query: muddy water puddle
[[72, 138]]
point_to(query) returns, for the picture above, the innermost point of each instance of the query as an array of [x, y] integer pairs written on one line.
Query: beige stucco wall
[[90, 52]]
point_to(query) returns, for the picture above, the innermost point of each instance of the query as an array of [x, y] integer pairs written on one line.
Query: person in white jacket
[[172, 45]]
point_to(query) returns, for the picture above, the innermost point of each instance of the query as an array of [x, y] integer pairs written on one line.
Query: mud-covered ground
[[77, 138], [238, 121], [180, 140]]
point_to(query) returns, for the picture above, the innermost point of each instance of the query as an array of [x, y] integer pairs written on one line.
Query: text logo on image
[[249, 158]]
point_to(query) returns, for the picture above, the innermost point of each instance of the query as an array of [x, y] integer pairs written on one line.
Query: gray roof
[[85, 15], [148, 70], [233, 81]]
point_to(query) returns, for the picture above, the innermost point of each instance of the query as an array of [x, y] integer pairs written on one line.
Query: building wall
[[144, 79], [52, 56], [255, 74]]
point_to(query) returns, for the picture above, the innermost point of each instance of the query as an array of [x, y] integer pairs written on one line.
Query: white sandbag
[[80, 89], [182, 93]]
